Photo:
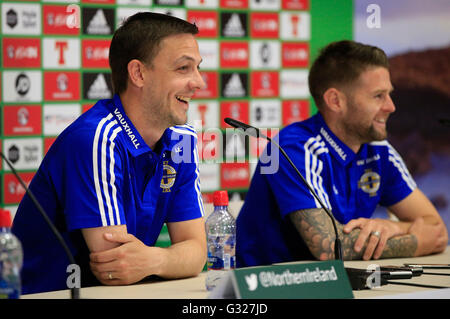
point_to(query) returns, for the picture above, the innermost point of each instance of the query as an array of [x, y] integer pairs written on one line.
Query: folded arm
[[419, 231], [119, 258], [317, 231]]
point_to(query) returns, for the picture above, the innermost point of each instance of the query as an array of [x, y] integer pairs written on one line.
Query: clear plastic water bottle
[[11, 258], [221, 240]]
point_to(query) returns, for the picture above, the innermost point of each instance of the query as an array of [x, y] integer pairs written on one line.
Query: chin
[[378, 136], [179, 121]]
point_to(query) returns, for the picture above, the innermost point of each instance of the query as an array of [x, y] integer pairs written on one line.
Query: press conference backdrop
[[256, 55]]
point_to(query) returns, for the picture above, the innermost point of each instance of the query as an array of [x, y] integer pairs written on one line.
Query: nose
[[197, 81], [389, 106]]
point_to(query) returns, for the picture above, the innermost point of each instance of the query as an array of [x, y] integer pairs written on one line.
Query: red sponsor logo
[[234, 54], [22, 120], [294, 111], [95, 53], [21, 52], [265, 84], [234, 175], [58, 20], [206, 22], [264, 25], [295, 55], [234, 4], [61, 47], [209, 145], [13, 191], [61, 86], [202, 109], [237, 110], [295, 4], [211, 89]]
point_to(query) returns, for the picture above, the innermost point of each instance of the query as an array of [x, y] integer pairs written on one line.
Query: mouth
[[183, 99], [381, 121]]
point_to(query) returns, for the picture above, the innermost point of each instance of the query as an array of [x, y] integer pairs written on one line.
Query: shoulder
[[93, 126], [384, 148], [299, 134], [183, 129]]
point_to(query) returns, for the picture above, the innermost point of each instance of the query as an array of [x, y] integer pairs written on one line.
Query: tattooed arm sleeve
[[316, 229]]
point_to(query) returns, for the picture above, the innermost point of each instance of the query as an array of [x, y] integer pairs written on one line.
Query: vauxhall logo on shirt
[[333, 144], [127, 128]]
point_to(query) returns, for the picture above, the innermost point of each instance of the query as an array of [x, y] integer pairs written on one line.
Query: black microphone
[[361, 279], [75, 292], [255, 132]]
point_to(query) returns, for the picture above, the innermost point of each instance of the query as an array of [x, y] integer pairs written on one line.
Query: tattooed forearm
[[400, 246], [317, 231]]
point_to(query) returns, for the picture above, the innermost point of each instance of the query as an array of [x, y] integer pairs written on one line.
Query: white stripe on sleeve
[[313, 169], [397, 161], [95, 168], [112, 174], [104, 173]]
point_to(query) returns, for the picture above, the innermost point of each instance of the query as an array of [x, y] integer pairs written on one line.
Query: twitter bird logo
[[252, 282]]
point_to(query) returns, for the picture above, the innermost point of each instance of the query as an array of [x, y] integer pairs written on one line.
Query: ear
[[136, 71], [334, 99]]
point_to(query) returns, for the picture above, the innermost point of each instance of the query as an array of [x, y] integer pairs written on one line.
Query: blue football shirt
[[350, 185], [100, 172]]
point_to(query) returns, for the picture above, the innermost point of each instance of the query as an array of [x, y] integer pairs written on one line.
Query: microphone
[[255, 132], [75, 292], [360, 278]]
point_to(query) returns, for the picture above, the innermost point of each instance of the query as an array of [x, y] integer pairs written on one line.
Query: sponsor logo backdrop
[[256, 55]]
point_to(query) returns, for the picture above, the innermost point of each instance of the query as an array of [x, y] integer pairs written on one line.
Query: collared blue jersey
[[100, 172], [350, 185]]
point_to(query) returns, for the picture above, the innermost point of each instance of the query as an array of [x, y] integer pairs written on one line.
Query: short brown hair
[[138, 38], [340, 63]]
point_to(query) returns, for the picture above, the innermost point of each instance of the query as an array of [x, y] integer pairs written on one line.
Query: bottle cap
[[220, 198], [5, 218]]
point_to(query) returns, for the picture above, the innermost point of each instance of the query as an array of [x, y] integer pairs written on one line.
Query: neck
[[148, 128], [342, 133]]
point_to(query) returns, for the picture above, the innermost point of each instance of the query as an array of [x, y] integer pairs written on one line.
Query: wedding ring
[[110, 277], [376, 233]]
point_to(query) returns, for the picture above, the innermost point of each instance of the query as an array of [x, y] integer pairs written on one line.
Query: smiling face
[[172, 79], [368, 107]]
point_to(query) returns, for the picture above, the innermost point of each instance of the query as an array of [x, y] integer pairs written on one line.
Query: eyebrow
[[390, 90], [187, 57]]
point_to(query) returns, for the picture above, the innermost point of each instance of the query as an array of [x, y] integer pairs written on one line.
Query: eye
[[379, 96], [183, 68]]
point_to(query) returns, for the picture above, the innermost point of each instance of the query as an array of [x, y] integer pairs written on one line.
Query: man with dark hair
[[123, 169], [343, 154]]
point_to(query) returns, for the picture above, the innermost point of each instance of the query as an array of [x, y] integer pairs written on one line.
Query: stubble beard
[[365, 134]]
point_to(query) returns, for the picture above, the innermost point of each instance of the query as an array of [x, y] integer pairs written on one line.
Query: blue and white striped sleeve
[[187, 203], [290, 193], [398, 182], [95, 179]]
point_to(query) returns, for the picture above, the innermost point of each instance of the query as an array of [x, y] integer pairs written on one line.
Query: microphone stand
[[245, 129]]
